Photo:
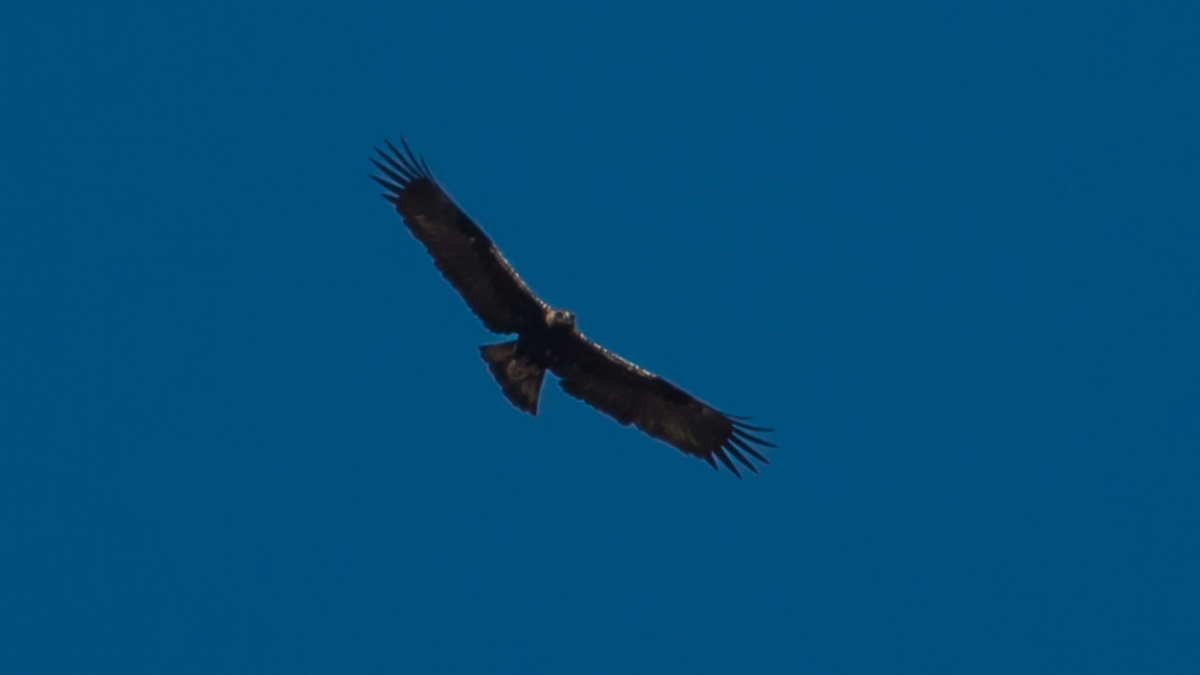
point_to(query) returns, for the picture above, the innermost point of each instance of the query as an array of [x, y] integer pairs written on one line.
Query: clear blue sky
[[951, 251]]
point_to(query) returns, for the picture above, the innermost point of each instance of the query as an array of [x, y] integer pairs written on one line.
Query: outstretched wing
[[462, 251], [633, 395]]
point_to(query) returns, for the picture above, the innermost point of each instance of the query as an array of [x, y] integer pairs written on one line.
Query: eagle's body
[[549, 338]]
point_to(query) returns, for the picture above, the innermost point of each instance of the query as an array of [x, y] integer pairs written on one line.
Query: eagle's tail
[[519, 376]]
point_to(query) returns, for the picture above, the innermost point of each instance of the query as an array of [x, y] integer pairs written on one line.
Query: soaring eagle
[[548, 338]]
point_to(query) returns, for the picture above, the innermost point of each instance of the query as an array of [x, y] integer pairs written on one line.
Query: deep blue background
[[950, 250]]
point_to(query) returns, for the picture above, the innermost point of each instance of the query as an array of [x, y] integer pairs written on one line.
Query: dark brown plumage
[[548, 338]]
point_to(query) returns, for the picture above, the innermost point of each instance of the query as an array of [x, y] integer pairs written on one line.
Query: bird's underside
[[548, 338]]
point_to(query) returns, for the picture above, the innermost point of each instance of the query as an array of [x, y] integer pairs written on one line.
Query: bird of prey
[[549, 338]]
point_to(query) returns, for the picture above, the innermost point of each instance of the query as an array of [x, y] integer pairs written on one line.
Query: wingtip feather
[[748, 448], [738, 433], [741, 458], [727, 462], [390, 186]]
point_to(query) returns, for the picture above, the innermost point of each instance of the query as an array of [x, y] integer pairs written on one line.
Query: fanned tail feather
[[519, 377]]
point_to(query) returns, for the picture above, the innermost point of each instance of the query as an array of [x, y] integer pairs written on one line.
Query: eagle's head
[[560, 318]]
